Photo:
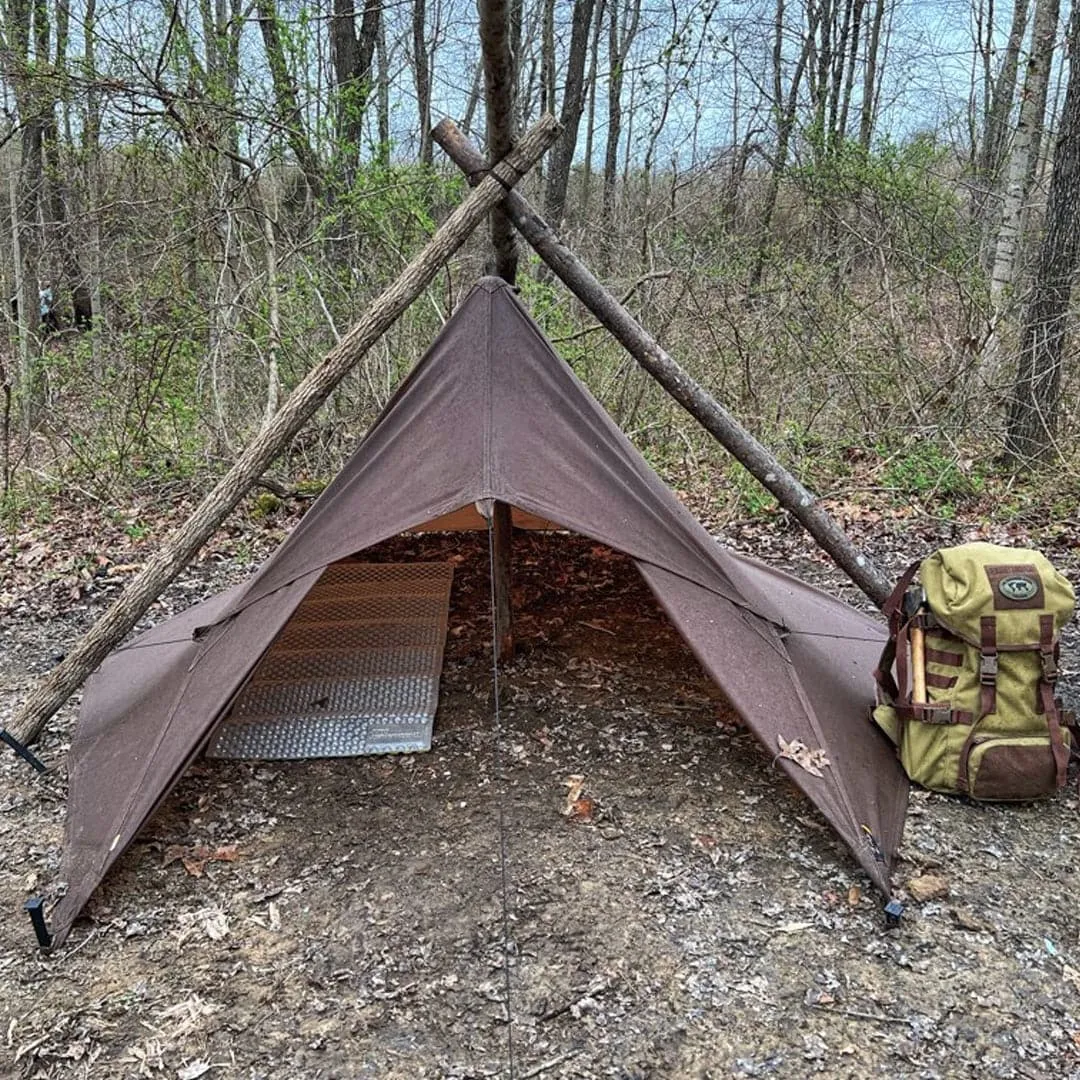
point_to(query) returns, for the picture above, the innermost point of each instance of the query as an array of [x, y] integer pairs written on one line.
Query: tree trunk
[[383, 106], [693, 398], [849, 79], [619, 42], [573, 104], [1017, 190], [1036, 395], [499, 97], [422, 78], [273, 344], [23, 28], [92, 175], [870, 86], [996, 134], [547, 57], [473, 99], [785, 107], [614, 131], [590, 121], [353, 57], [26, 218], [286, 98], [56, 687], [25, 305]]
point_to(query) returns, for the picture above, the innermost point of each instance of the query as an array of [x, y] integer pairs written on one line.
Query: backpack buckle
[[988, 668], [1049, 667]]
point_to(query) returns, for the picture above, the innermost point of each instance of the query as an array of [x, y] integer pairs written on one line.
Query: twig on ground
[[536, 1070], [856, 1014]]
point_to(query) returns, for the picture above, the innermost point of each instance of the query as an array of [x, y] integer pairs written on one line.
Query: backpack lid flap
[[1015, 585]]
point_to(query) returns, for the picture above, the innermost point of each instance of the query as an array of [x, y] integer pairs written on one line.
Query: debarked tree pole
[[695, 399], [64, 679]]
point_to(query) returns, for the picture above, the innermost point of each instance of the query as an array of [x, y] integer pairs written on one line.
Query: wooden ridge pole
[[88, 652], [695, 399], [502, 551]]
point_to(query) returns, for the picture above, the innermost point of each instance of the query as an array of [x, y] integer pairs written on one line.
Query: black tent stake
[[21, 750], [34, 908]]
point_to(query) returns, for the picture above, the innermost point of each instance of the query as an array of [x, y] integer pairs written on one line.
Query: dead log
[[60, 683], [695, 399]]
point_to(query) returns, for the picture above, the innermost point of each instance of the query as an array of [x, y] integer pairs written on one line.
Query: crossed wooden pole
[[493, 186]]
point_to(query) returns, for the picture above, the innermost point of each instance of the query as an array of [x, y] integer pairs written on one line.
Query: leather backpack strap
[[888, 689], [891, 607], [1048, 653]]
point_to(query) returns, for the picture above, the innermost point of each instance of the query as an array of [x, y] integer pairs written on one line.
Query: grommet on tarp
[[21, 750], [35, 909], [893, 910]]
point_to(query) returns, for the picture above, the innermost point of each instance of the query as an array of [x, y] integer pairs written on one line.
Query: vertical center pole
[[502, 544]]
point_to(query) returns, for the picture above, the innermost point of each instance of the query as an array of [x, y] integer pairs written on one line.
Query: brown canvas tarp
[[491, 412]]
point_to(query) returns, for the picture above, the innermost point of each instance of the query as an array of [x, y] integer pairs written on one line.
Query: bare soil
[[440, 915]]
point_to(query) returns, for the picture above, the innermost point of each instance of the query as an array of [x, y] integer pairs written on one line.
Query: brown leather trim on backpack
[[933, 714], [891, 607], [1048, 652], [903, 658], [940, 682], [946, 659], [890, 690], [988, 665], [1033, 596]]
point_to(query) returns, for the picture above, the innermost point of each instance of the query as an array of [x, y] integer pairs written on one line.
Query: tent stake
[[34, 907], [695, 399], [502, 553], [89, 651]]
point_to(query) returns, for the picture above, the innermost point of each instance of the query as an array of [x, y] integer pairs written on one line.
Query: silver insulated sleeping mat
[[354, 671]]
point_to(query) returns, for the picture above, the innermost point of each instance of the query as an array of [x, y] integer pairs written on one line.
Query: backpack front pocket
[[1011, 769]]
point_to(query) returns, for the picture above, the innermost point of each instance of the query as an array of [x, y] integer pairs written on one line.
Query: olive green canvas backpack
[[971, 707]]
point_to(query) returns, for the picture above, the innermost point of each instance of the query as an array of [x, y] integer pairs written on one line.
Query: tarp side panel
[[138, 730], [809, 690], [558, 454], [179, 627], [424, 458], [796, 605], [835, 649]]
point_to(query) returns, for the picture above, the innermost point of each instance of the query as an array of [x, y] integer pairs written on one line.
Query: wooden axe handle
[[918, 665]]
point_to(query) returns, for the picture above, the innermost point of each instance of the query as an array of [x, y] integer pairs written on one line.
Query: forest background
[[856, 222]]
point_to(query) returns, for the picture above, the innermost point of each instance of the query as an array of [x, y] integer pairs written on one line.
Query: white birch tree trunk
[[1025, 145]]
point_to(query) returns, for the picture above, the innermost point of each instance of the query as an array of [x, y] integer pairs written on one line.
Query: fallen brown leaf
[[812, 761], [195, 859], [580, 806]]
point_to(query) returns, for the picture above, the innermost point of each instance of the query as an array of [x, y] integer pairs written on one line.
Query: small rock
[[927, 887], [965, 920]]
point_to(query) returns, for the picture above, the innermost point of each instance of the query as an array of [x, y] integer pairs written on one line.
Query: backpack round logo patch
[[1018, 588]]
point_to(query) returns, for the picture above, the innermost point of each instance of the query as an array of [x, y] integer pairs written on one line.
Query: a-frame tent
[[492, 413]]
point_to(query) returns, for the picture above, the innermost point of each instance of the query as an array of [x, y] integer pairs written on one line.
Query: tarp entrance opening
[[355, 670]]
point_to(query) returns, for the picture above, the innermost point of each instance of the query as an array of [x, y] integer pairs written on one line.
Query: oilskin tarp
[[491, 412]]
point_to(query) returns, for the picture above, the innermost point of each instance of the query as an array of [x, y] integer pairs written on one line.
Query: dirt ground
[[353, 918]]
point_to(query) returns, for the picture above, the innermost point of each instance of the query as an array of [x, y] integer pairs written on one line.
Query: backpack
[[971, 708]]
